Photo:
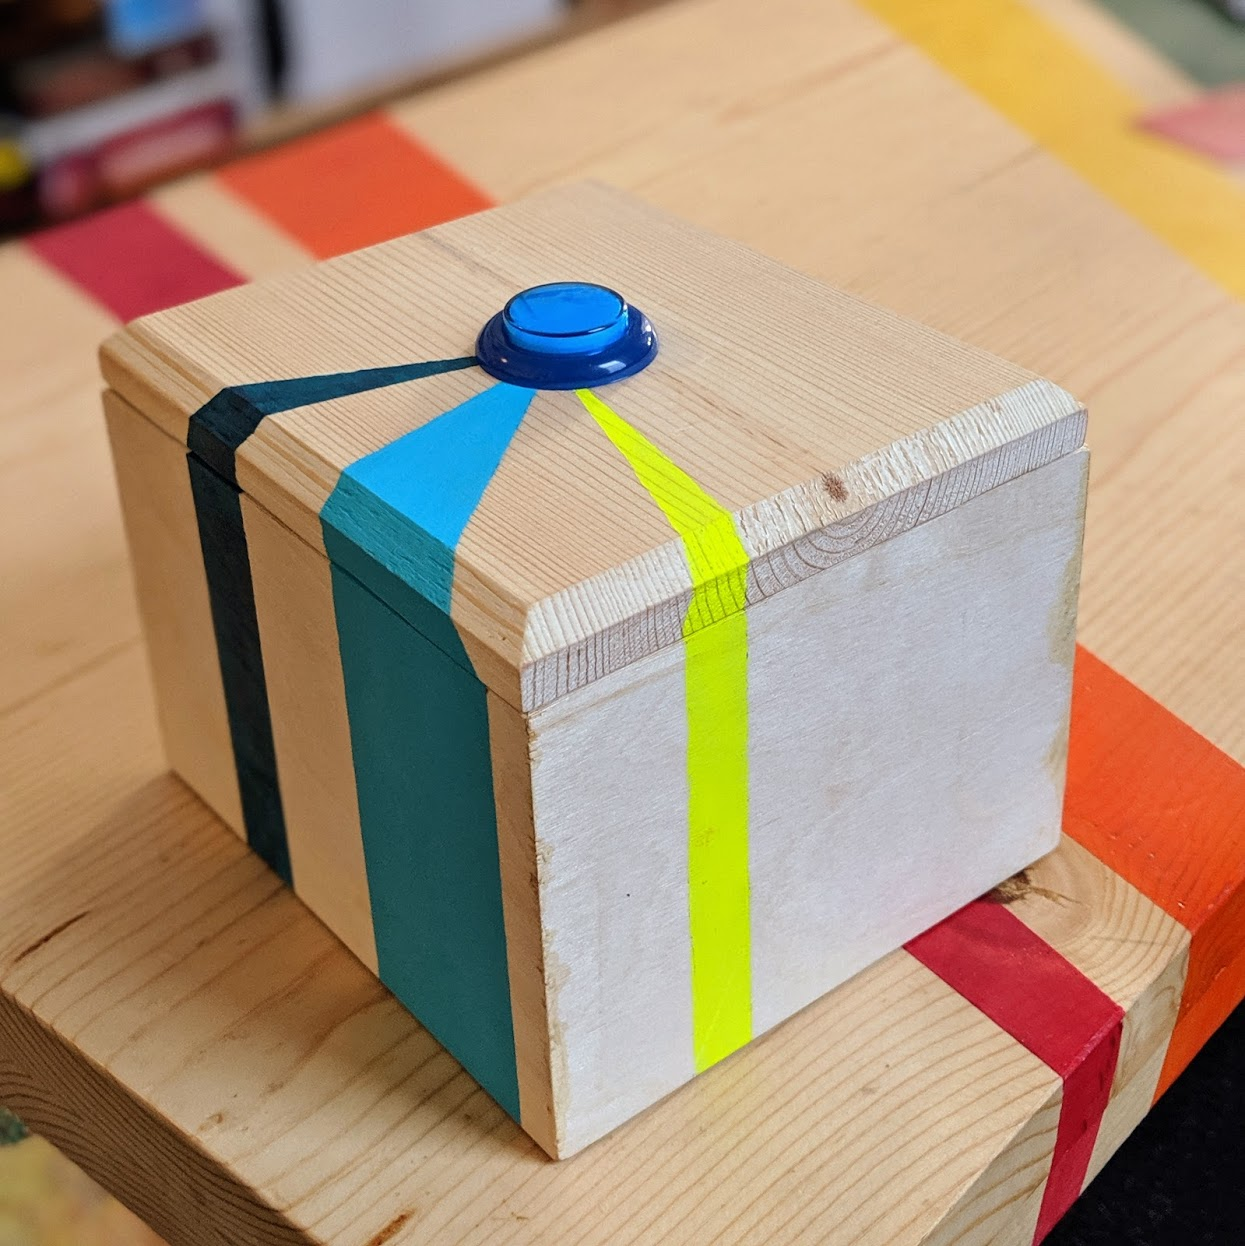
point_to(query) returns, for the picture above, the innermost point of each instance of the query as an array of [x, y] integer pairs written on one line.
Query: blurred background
[[101, 98]]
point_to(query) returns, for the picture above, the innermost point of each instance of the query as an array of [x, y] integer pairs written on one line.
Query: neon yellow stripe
[[716, 683], [1045, 84]]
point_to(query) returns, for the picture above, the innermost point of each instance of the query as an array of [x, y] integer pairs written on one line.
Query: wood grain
[[913, 518], [757, 410]]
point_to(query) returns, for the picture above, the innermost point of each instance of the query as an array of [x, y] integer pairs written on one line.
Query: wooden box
[[610, 726]]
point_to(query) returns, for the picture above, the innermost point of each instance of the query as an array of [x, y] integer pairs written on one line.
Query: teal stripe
[[419, 728], [1206, 45]]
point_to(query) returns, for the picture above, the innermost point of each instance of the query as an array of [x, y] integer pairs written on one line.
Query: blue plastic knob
[[566, 335]]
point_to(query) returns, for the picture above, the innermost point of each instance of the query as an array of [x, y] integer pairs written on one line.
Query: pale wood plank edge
[[166, 391], [518, 857], [571, 639], [160, 1173]]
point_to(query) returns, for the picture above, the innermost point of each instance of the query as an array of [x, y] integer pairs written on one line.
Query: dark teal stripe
[[419, 728], [218, 509], [215, 434], [224, 422]]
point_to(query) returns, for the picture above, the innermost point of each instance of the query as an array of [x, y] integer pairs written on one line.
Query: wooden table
[[175, 1021]]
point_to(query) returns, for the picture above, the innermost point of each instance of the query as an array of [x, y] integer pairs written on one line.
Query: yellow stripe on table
[[1045, 84], [715, 633]]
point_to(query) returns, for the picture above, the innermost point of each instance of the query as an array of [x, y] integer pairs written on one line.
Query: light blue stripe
[[419, 728], [407, 504]]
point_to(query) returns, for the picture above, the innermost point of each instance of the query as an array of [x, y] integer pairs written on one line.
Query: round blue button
[[566, 335]]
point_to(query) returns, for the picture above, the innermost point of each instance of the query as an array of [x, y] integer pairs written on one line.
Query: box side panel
[[908, 732], [907, 716], [419, 735], [173, 598], [610, 796], [311, 732]]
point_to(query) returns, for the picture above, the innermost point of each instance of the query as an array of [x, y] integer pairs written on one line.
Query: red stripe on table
[[131, 260], [353, 185], [991, 958], [1165, 809]]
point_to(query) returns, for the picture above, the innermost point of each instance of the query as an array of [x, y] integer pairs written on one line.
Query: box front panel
[[906, 721], [908, 732]]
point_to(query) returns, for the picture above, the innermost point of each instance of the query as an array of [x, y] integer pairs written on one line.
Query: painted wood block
[[610, 725]]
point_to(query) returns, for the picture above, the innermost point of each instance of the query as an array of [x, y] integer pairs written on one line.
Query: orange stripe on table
[[991, 958], [353, 185], [1165, 809]]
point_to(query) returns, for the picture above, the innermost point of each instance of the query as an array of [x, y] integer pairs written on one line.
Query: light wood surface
[[567, 571], [174, 1020]]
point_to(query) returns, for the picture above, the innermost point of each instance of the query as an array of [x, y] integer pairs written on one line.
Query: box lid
[[783, 427]]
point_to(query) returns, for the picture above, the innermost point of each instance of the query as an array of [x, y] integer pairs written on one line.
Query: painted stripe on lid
[[353, 185], [420, 731], [1040, 80], [403, 508], [991, 958], [218, 429], [715, 631], [1165, 809], [132, 261]]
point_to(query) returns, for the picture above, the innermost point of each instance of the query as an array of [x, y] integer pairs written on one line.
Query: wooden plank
[[205, 210], [162, 266], [212, 936], [1186, 842], [1139, 65], [58, 487], [215, 959]]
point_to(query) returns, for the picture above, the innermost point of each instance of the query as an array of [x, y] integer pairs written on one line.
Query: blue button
[[566, 335]]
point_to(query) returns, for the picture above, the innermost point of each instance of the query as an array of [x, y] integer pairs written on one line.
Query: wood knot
[[834, 486], [394, 1226], [1020, 886]]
